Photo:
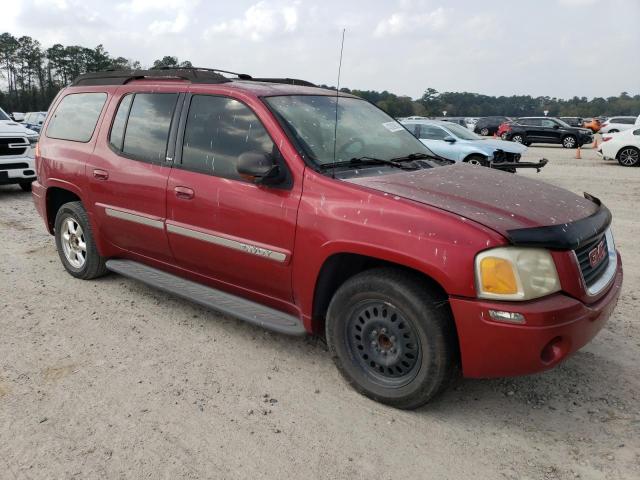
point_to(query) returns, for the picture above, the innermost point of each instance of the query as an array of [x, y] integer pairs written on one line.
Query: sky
[[558, 48]]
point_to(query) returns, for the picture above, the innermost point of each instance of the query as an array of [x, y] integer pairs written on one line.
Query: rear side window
[[218, 131], [76, 117], [141, 126]]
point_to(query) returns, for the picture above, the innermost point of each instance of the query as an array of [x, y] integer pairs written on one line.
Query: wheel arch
[[57, 196], [339, 267]]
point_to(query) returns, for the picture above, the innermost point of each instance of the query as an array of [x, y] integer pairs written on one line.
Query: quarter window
[[218, 131], [76, 117]]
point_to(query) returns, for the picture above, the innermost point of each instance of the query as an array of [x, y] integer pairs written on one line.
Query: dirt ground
[[113, 379]]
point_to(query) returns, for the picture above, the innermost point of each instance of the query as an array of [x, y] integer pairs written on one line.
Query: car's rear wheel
[[392, 338], [25, 186], [74, 240], [569, 141], [518, 138], [613, 131], [504, 135], [629, 157], [484, 132], [476, 160]]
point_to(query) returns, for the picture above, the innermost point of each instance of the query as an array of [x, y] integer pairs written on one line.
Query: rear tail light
[[606, 139], [605, 125]]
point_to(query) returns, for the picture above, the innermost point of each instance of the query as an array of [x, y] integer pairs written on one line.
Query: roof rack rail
[[288, 81], [121, 77], [192, 74]]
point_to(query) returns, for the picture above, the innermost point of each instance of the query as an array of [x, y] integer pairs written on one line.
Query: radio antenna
[[335, 125]]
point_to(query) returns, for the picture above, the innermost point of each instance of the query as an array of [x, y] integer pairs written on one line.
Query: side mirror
[[449, 139], [257, 167], [556, 126]]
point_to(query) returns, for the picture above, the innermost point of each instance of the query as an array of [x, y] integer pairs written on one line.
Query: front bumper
[[17, 170], [509, 166], [556, 326]]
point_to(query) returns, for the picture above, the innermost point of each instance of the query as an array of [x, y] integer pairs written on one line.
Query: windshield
[[3, 116], [461, 132], [363, 130]]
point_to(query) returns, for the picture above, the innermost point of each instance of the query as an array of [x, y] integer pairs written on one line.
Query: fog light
[[508, 317]]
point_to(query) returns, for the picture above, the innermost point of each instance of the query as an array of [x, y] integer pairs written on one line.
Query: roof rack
[[192, 74]]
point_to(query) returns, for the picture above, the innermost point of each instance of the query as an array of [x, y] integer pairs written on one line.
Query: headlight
[[512, 273], [33, 140]]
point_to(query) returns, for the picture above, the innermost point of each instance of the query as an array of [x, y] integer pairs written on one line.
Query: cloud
[[577, 3], [403, 23], [176, 25], [261, 20]]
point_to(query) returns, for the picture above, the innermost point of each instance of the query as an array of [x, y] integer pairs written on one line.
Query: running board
[[222, 302]]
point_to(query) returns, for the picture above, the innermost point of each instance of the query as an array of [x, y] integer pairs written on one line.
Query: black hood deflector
[[565, 236]]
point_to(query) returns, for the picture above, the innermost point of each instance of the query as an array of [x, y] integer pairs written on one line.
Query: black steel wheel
[[383, 342], [392, 336]]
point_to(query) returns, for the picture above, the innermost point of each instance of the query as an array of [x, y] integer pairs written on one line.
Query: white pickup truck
[[17, 148]]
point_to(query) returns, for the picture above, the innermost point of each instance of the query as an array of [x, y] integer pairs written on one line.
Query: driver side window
[[218, 131], [548, 123], [431, 132]]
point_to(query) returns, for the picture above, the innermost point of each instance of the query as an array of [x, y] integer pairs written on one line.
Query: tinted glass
[[76, 116], [218, 131], [3, 115], [119, 122], [636, 132], [148, 126], [534, 122], [626, 121], [431, 132]]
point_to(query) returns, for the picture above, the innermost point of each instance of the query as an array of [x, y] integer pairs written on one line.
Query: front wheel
[[569, 142], [75, 244], [476, 160], [629, 157], [613, 131], [484, 132], [392, 338]]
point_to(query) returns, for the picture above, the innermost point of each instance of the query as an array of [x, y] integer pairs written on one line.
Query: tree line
[[31, 76]]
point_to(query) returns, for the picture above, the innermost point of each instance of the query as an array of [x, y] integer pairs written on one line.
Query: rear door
[[128, 172], [219, 224], [533, 129]]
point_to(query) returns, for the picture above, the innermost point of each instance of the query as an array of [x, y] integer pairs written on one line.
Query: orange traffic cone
[[578, 157]]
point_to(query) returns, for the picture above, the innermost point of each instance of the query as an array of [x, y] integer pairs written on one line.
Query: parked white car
[[17, 149], [623, 147], [617, 124]]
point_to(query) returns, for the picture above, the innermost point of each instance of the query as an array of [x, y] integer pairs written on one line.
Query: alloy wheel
[[73, 242], [569, 142], [517, 139], [629, 157]]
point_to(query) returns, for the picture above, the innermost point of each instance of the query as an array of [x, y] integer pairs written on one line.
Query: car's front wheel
[[629, 157], [74, 240], [476, 160], [569, 142], [484, 132], [392, 338], [613, 131]]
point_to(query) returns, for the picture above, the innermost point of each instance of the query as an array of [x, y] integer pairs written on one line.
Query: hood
[[491, 144], [9, 127], [498, 200]]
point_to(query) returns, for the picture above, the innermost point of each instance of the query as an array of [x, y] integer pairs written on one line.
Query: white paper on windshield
[[393, 126]]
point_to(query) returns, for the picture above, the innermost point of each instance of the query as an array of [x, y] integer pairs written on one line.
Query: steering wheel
[[345, 148]]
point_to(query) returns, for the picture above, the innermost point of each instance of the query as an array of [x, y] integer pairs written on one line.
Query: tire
[[613, 131], [365, 319], [72, 232], [504, 136], [518, 138], [25, 186], [569, 141], [476, 160], [628, 157], [484, 132]]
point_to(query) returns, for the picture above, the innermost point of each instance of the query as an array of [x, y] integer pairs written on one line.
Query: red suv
[[246, 196]]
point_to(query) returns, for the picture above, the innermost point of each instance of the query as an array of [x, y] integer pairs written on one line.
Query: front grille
[[6, 150], [500, 156], [589, 273], [13, 166]]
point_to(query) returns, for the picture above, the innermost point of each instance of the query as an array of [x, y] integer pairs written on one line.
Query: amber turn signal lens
[[497, 276]]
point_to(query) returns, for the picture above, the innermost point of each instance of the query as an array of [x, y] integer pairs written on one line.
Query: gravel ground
[[113, 379]]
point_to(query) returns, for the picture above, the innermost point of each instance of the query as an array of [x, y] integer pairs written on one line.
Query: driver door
[[219, 224], [433, 137]]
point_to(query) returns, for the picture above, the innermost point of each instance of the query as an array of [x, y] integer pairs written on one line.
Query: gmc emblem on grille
[[597, 254]]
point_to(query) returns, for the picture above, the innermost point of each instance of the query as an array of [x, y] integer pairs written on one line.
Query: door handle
[[100, 174], [185, 193]]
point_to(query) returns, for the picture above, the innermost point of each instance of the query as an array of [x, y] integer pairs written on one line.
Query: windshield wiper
[[360, 161], [414, 156]]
